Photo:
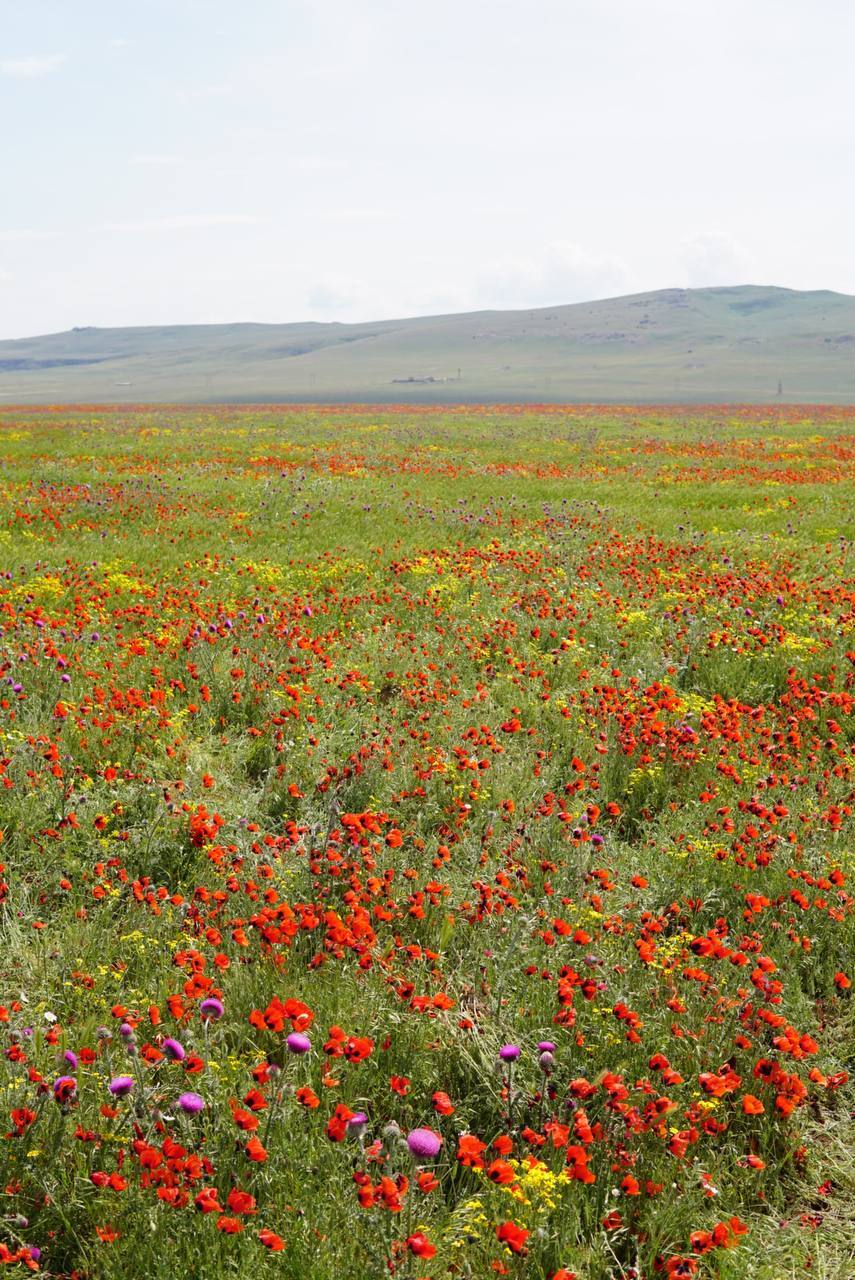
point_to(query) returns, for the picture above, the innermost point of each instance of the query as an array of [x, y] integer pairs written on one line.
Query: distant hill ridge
[[745, 343]]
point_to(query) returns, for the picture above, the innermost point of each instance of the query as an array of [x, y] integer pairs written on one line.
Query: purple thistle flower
[[509, 1052], [121, 1086], [356, 1124], [298, 1043], [191, 1104], [424, 1143], [212, 1008], [174, 1050]]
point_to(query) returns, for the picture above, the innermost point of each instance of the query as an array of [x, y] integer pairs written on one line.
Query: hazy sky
[[213, 160]]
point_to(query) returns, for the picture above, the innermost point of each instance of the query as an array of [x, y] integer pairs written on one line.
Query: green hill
[[746, 343]]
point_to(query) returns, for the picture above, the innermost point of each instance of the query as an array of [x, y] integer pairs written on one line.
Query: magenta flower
[[356, 1124], [121, 1086], [212, 1008], [191, 1104], [298, 1043], [509, 1052], [174, 1050], [424, 1144]]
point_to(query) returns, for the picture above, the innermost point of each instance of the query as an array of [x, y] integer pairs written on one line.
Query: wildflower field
[[426, 842]]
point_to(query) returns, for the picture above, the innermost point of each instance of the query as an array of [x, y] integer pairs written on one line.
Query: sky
[[206, 161]]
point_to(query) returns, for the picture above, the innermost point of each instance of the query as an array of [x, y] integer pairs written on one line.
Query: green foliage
[[462, 729]]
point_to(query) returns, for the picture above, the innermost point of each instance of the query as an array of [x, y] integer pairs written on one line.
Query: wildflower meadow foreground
[[426, 842]]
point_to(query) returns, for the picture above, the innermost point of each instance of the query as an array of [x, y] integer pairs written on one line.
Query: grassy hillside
[[733, 344]]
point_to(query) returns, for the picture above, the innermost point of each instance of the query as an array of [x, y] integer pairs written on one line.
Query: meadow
[[426, 842]]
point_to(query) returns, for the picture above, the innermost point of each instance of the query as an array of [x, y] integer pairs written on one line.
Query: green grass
[[466, 627]]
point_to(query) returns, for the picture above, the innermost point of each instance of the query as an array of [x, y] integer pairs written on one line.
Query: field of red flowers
[[426, 842]]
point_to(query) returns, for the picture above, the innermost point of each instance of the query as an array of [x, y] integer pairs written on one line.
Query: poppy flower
[[64, 1088], [206, 1201], [500, 1172], [419, 1245], [442, 1104], [338, 1121], [241, 1201], [470, 1150], [512, 1236], [271, 1240]]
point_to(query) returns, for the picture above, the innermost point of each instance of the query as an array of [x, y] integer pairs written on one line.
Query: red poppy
[[512, 1236], [337, 1123], [256, 1152], [241, 1201], [271, 1240], [470, 1150], [231, 1226], [500, 1172], [419, 1245], [206, 1201]]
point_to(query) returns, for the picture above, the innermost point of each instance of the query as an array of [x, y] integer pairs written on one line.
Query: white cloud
[[186, 222], [319, 164], [154, 158], [25, 233], [712, 258], [340, 296], [36, 65], [562, 272], [223, 90], [357, 215]]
